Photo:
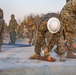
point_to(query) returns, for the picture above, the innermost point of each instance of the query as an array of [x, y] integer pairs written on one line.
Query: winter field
[[14, 60]]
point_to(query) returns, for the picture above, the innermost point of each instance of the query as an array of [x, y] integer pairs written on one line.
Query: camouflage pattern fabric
[[31, 24], [1, 13], [42, 29], [68, 21], [1, 27], [32, 30], [1, 31], [13, 26], [67, 31]]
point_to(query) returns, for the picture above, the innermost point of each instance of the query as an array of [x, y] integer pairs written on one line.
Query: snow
[[13, 57]]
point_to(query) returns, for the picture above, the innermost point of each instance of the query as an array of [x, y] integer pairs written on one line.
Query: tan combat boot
[[70, 55], [62, 57], [47, 57], [35, 56]]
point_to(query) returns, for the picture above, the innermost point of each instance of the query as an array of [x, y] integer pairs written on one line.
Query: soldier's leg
[[10, 37], [40, 42], [70, 40], [61, 49], [30, 36], [56, 50], [1, 41], [34, 37], [13, 37]]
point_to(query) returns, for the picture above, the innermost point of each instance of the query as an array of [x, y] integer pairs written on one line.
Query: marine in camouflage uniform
[[12, 27], [1, 27], [68, 20], [32, 30], [42, 29]]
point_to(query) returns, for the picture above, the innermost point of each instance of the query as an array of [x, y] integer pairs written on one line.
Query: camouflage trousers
[[13, 37], [32, 36], [40, 42], [70, 40]]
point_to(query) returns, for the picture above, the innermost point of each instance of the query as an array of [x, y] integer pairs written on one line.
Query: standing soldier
[[1, 27], [13, 26], [68, 20], [32, 30]]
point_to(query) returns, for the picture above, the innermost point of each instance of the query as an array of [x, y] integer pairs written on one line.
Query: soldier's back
[[1, 23]]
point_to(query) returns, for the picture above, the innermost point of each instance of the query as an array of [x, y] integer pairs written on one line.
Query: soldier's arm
[[9, 25], [16, 26]]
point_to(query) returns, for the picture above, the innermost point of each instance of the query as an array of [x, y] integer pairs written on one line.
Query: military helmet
[[1, 13], [67, 0], [12, 16], [53, 25]]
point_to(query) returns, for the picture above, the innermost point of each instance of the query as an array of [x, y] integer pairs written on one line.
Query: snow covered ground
[[15, 61]]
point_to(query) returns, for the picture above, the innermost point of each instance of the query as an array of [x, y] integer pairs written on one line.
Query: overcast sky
[[23, 8]]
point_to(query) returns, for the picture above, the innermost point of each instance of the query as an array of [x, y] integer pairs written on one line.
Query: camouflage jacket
[[13, 25], [68, 16], [31, 24], [1, 26], [43, 24]]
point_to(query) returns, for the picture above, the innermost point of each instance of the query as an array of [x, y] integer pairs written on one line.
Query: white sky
[[23, 8]]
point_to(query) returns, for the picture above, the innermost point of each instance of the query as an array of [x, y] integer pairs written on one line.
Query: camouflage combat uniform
[[1, 27], [42, 29], [68, 20], [32, 30], [13, 26]]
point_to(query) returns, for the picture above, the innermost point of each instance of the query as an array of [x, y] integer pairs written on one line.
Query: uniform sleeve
[[16, 24]]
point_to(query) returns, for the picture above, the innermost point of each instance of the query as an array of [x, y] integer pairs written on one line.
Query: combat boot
[[47, 57], [35, 56], [70, 55], [62, 57]]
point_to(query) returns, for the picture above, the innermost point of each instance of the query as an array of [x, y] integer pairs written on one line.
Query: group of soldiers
[[12, 28], [67, 32], [67, 17]]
